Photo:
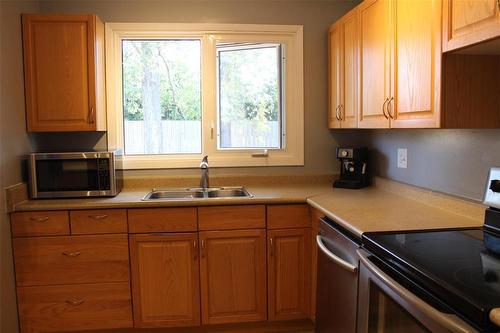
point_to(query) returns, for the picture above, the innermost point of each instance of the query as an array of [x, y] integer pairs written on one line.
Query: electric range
[[456, 270]]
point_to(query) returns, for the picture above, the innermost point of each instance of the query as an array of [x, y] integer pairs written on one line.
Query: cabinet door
[[60, 72], [233, 276], [335, 75], [165, 280], [466, 22], [375, 63], [289, 273], [416, 98], [350, 94]]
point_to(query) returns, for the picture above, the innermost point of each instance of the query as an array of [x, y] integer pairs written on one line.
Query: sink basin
[[228, 193], [197, 193]]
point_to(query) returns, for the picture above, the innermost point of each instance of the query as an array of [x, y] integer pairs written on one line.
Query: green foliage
[[249, 84], [249, 81], [179, 78]]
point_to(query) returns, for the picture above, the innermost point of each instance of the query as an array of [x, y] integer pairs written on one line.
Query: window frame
[[291, 36]]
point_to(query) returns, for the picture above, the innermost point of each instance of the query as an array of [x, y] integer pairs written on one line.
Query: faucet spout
[[204, 182]]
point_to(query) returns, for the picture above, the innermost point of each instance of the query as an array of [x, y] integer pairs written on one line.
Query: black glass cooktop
[[459, 267]]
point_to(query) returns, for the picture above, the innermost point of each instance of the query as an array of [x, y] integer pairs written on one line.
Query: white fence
[[184, 136]]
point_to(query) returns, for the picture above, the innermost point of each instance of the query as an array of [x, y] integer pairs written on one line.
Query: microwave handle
[[342, 263], [450, 322]]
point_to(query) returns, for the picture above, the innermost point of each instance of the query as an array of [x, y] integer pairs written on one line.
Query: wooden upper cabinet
[[289, 255], [335, 75], [350, 95], [344, 74], [375, 63], [64, 72], [416, 89], [233, 276], [165, 280], [467, 22]]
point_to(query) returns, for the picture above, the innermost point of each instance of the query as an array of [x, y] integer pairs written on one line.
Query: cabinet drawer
[[52, 223], [146, 220], [103, 221], [232, 217], [79, 307], [71, 260], [288, 216]]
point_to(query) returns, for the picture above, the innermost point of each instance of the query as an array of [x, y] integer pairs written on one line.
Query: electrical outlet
[[402, 158]]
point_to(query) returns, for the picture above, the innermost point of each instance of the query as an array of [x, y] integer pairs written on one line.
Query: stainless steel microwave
[[75, 174]]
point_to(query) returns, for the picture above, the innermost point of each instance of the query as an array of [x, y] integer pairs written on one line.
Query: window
[[161, 96], [177, 92], [249, 92]]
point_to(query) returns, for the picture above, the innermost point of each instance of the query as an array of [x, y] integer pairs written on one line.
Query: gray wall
[[13, 142], [450, 161], [315, 16]]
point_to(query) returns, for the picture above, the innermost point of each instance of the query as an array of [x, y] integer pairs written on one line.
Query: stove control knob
[[344, 153], [495, 185]]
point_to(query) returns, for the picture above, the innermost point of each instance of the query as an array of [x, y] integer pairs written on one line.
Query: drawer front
[[71, 260], [51, 223], [232, 217], [288, 216], [102, 221], [147, 220], [80, 307]]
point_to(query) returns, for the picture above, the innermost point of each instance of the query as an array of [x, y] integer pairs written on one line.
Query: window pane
[[161, 96], [249, 95]]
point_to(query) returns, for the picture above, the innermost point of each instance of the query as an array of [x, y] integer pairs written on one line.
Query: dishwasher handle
[[341, 262]]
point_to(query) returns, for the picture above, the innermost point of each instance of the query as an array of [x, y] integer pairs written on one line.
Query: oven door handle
[[450, 322], [342, 263]]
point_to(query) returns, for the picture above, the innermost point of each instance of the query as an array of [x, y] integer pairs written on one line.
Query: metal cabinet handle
[[342, 263], [71, 254], [98, 217], [340, 112], [195, 254], [203, 248], [91, 115], [75, 302], [451, 322], [271, 247], [383, 108], [337, 113], [388, 108], [39, 218]]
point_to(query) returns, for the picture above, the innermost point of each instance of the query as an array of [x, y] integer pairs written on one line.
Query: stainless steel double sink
[[197, 193]]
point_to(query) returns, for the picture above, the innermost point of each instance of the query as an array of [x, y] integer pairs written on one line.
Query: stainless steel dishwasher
[[337, 290]]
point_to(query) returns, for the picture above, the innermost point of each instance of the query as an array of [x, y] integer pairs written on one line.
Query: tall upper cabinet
[[400, 64], [467, 22], [64, 72], [343, 71]]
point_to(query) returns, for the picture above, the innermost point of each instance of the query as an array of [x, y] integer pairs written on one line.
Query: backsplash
[[450, 161]]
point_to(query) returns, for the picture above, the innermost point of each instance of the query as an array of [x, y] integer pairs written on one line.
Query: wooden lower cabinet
[[64, 308], [289, 273], [165, 279], [233, 276]]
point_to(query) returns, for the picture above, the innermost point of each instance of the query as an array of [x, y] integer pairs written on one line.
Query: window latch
[[264, 153]]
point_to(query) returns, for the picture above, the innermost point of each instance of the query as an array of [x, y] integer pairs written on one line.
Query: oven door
[[386, 306]]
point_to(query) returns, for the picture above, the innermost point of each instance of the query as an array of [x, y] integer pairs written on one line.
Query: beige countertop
[[378, 208], [131, 198], [386, 206]]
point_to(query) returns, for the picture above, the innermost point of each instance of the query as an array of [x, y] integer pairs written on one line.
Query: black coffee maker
[[353, 168]]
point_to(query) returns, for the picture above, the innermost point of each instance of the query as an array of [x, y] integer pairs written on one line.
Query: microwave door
[[67, 177], [386, 306]]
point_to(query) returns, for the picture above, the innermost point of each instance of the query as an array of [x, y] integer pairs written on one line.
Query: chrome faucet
[[204, 173]]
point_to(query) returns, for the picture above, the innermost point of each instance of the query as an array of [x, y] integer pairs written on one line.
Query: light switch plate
[[402, 158]]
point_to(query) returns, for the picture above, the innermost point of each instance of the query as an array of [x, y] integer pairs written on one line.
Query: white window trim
[[209, 34]]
